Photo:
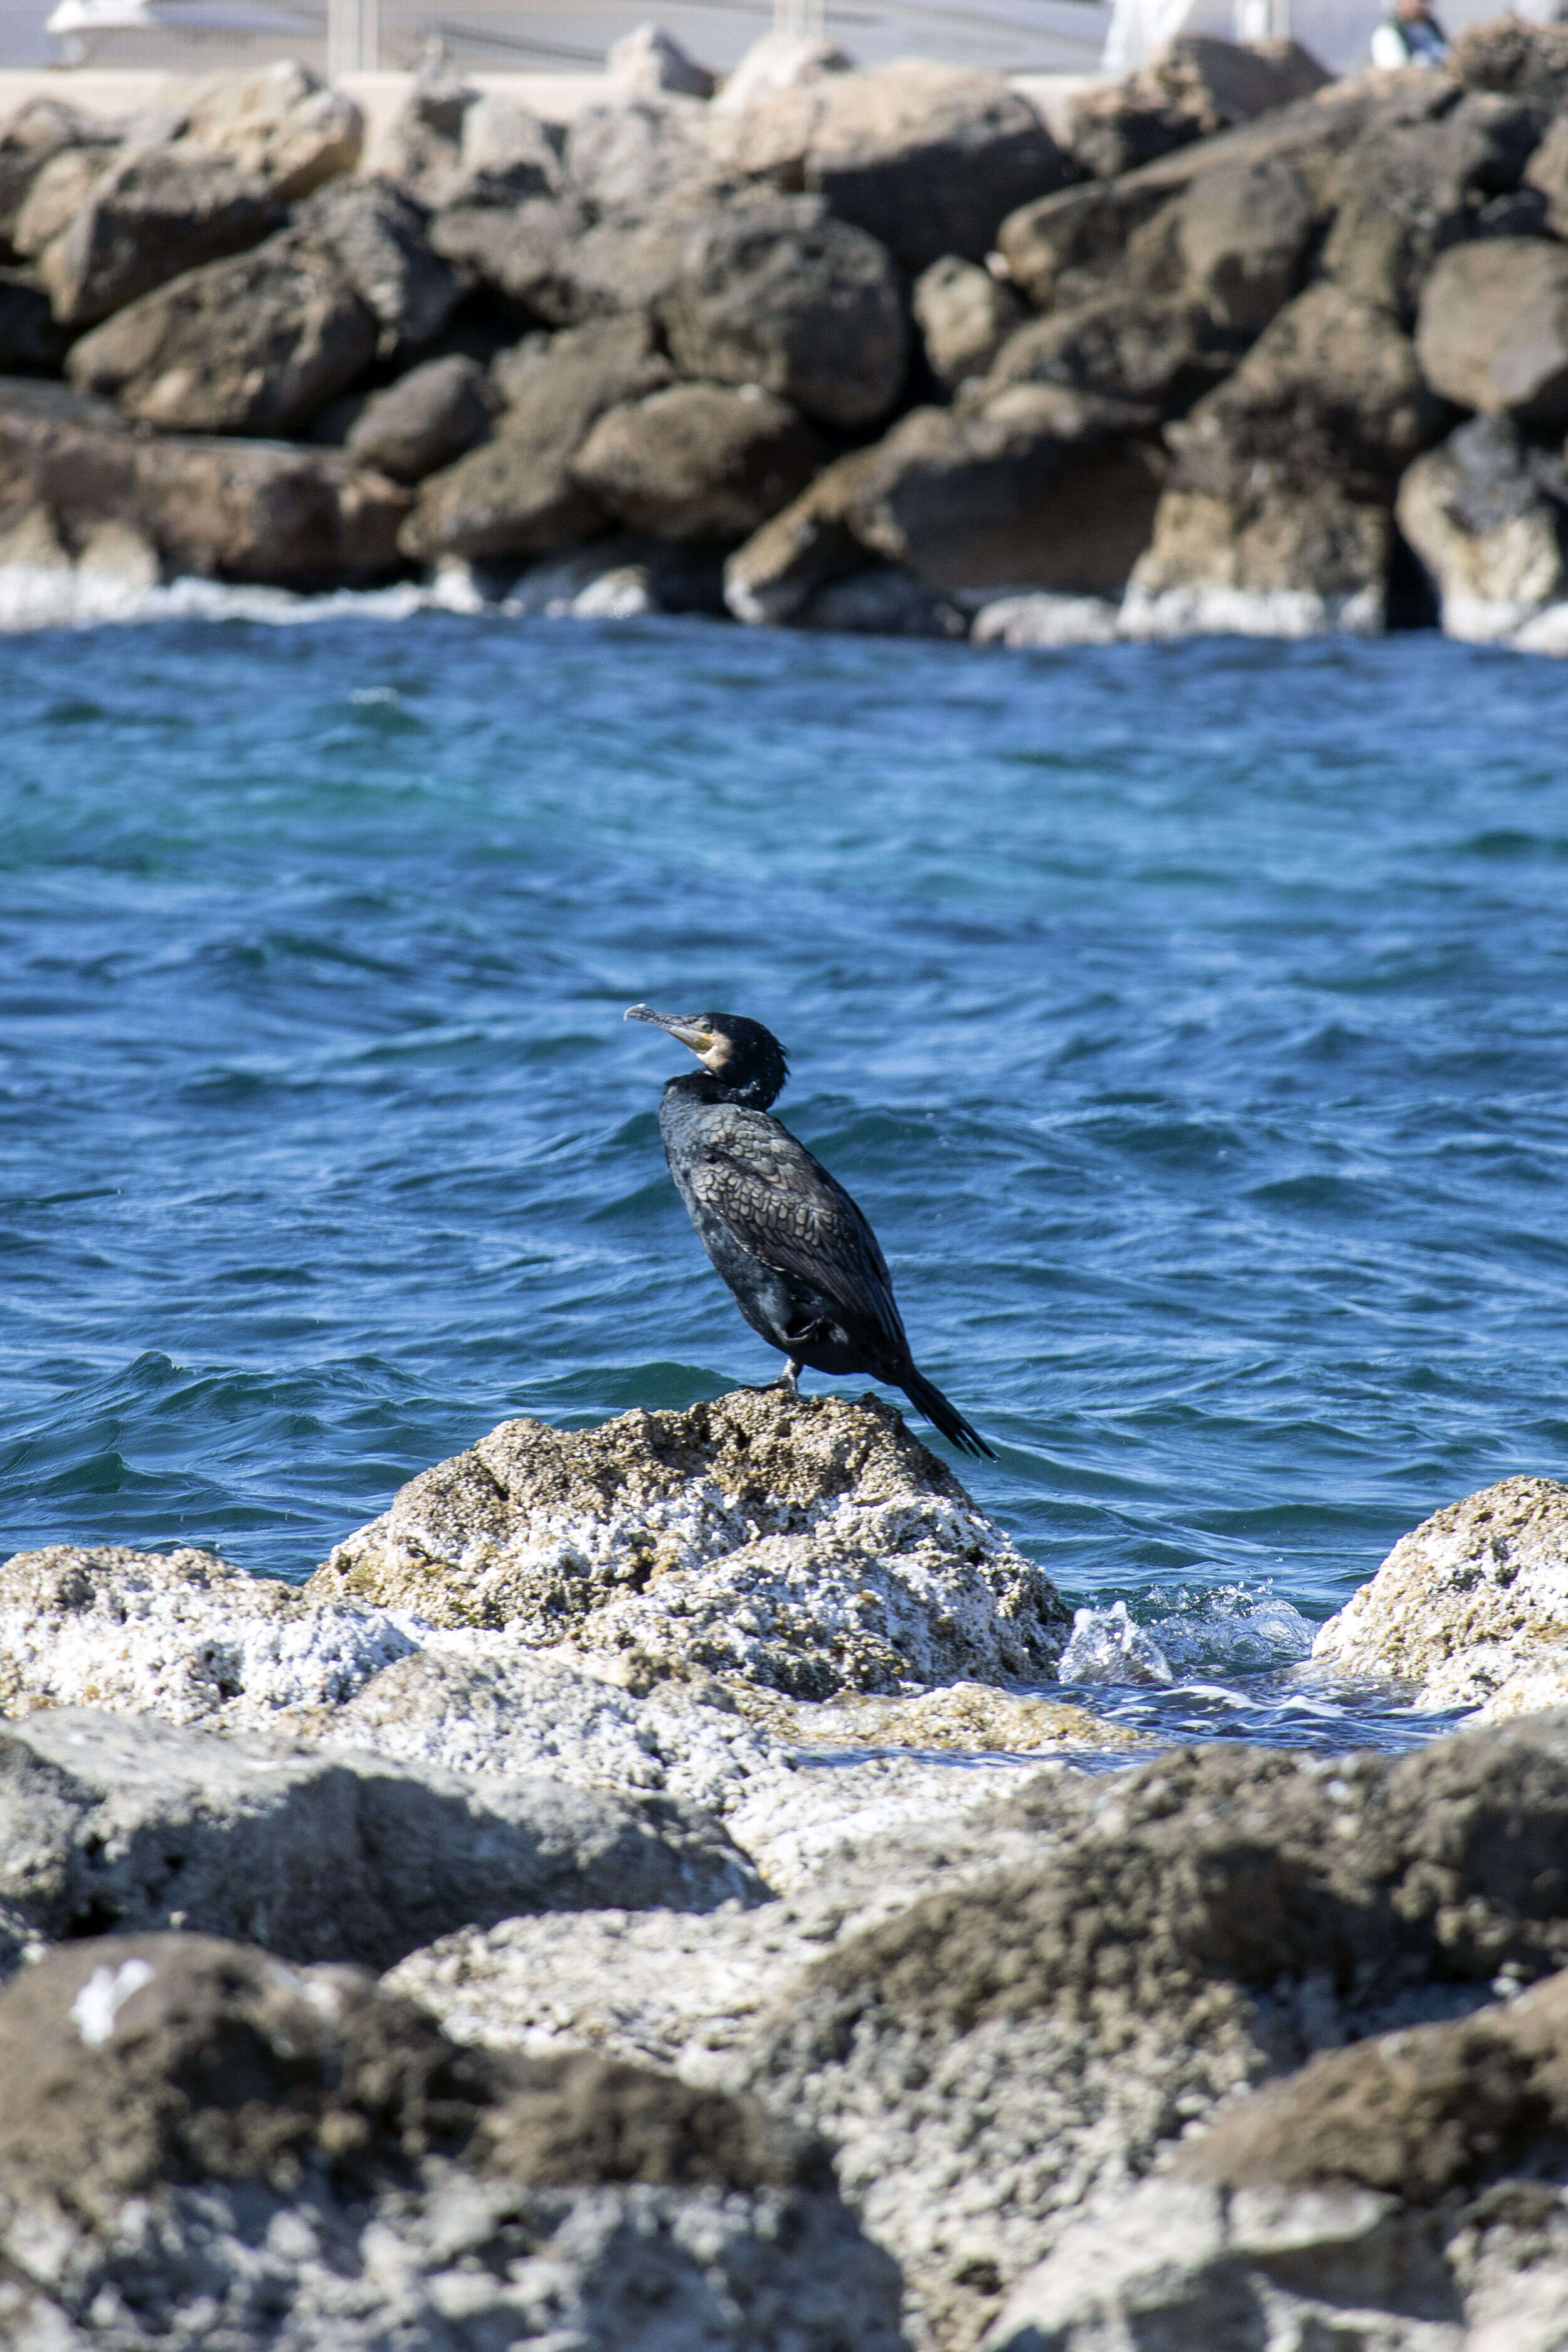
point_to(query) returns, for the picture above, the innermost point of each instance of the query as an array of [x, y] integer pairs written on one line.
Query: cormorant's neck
[[702, 1086]]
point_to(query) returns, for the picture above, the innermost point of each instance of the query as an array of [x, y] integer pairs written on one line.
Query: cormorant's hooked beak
[[691, 1030]]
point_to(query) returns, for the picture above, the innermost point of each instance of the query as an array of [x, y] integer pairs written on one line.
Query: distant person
[[1410, 37]]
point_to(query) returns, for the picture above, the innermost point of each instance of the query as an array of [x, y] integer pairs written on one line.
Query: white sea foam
[[1226, 1630], [46, 596]]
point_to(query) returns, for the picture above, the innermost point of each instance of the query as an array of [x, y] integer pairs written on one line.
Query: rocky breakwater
[[758, 1968], [864, 349]]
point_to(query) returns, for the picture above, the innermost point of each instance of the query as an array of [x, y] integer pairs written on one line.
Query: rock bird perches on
[[801, 1260]]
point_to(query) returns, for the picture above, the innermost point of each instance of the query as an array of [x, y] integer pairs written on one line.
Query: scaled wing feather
[[786, 1211]]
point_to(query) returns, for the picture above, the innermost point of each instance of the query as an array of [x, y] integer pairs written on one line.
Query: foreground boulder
[[110, 1821], [1277, 517], [1000, 2059], [697, 460], [72, 475], [1487, 515], [810, 1544], [195, 2127], [1418, 2178], [1471, 1607], [223, 510]]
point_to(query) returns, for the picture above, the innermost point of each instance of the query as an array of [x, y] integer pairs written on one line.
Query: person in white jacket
[[1410, 37]]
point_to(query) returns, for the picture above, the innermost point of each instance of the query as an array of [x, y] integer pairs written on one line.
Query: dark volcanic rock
[[1520, 59], [427, 418], [154, 214], [197, 2129], [781, 569], [1493, 329], [252, 345], [225, 509], [1033, 487], [1235, 242], [31, 341], [806, 307], [110, 1821], [697, 460], [376, 235], [995, 2060], [1131, 347], [1330, 391], [56, 193], [1405, 193], [516, 495], [1073, 243]]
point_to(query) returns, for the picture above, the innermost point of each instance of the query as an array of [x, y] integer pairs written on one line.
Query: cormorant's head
[[747, 1059]]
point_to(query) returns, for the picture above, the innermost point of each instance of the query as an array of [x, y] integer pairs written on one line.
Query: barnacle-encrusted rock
[[812, 1545], [1471, 1606]]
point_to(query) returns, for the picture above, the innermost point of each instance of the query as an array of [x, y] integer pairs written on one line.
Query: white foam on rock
[[1219, 612]]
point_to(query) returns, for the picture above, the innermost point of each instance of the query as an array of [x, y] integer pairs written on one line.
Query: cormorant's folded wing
[[785, 1210]]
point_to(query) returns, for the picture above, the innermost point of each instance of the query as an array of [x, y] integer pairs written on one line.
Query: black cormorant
[[793, 1246]]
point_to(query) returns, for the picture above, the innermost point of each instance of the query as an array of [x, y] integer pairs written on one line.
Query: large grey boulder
[[1471, 1607], [697, 460], [279, 122], [115, 1821], [1036, 485], [966, 315], [999, 2061], [532, 252], [1276, 518], [628, 160], [253, 345], [1236, 242], [1196, 85], [805, 1545], [1492, 333], [516, 495], [375, 234], [806, 307], [199, 2136], [1404, 194], [1068, 243], [1486, 514], [155, 213], [928, 158], [1418, 2178], [425, 420], [224, 509]]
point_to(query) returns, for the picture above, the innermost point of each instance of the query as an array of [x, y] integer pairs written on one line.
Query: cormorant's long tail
[[927, 1398]]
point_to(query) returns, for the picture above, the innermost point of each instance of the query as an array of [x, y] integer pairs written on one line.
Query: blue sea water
[[1191, 1020]]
